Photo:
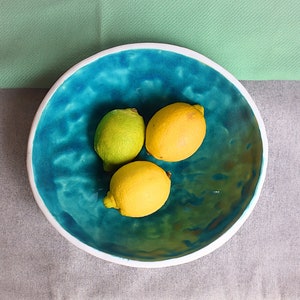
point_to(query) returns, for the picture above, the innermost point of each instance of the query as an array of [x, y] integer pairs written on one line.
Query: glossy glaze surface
[[210, 190]]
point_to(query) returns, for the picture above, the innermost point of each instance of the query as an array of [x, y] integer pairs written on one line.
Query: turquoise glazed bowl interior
[[213, 192]]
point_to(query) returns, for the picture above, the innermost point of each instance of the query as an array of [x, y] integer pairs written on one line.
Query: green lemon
[[119, 137]]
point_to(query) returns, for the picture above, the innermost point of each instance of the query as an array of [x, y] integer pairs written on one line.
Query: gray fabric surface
[[262, 261]]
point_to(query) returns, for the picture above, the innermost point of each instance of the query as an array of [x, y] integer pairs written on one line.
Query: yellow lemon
[[119, 137], [138, 189], [176, 131]]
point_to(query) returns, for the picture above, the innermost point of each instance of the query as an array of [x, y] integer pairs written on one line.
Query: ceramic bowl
[[213, 192]]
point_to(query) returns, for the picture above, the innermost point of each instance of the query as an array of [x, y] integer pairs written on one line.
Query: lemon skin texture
[[119, 137], [138, 189], [176, 131]]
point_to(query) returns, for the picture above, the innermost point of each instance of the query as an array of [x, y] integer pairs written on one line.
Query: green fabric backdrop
[[254, 40]]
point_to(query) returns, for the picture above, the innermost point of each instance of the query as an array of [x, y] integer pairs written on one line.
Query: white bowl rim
[[173, 261]]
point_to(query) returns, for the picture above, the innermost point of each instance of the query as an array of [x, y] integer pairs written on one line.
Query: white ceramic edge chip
[[169, 262]]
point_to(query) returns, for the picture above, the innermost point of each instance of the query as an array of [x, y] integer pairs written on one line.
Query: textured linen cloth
[[260, 262], [40, 40]]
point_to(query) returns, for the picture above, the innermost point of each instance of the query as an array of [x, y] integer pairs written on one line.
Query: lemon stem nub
[[169, 174], [199, 108], [134, 110], [108, 167], [109, 201]]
